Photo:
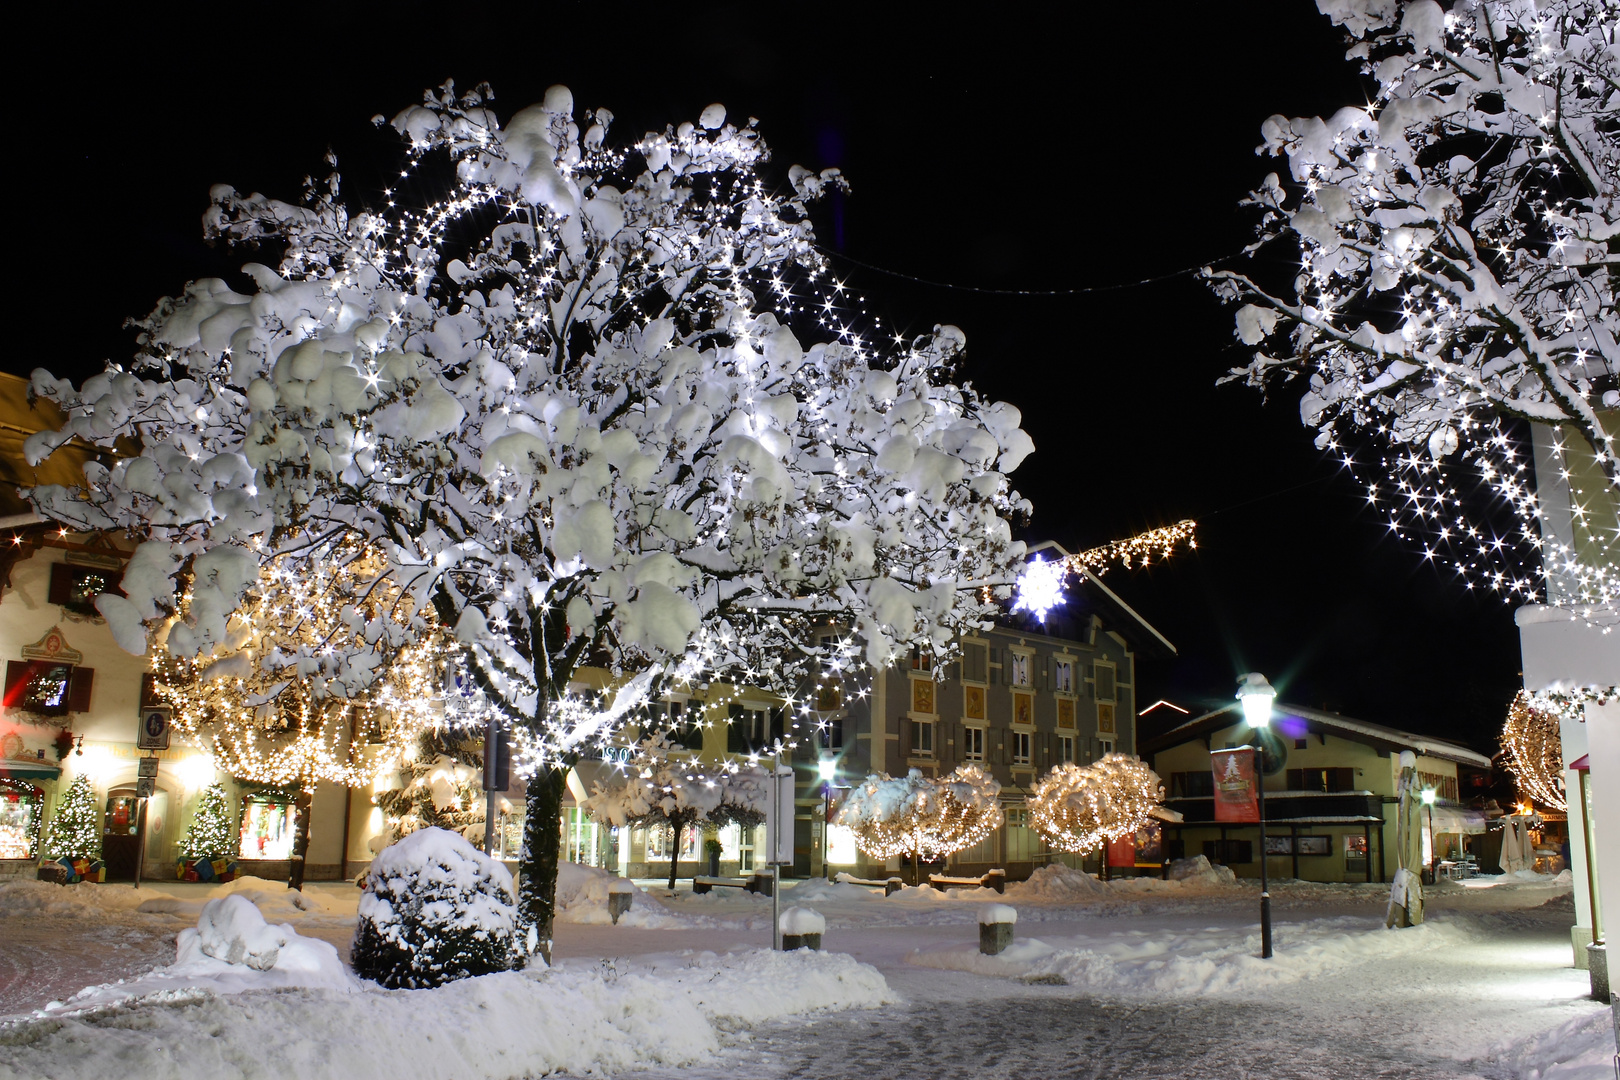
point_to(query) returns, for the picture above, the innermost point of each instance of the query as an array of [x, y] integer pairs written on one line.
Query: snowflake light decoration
[[1040, 587]]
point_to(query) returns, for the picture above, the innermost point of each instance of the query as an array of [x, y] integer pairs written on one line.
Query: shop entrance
[[121, 834]]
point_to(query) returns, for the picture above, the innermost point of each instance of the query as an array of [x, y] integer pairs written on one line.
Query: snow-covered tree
[[565, 400], [1458, 239], [212, 833], [1082, 807], [75, 831], [437, 785], [658, 790], [925, 817]]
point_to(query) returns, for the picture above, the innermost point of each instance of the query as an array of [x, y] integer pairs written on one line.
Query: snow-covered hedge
[[435, 910]]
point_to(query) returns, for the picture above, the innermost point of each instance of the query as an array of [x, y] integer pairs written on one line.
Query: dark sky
[[1001, 149]]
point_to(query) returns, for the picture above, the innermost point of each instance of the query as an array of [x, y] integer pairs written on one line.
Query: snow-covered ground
[[1135, 978]]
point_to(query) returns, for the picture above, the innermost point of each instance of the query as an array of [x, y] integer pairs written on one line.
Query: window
[[1024, 709], [658, 837], [1105, 747], [829, 693], [921, 659], [1105, 719], [975, 663], [1065, 712], [1192, 785], [76, 587], [831, 731], [1020, 665], [752, 728], [1065, 748], [1063, 676], [973, 702], [47, 687], [922, 695], [1020, 747], [1102, 678], [1321, 780], [1312, 845], [922, 738], [1022, 840], [267, 828], [973, 744], [1229, 852]]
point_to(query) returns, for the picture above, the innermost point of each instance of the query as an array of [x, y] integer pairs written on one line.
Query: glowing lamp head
[[1256, 695], [1428, 796], [827, 768]]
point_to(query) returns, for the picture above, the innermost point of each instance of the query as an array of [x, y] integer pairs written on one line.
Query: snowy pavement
[[1136, 979]]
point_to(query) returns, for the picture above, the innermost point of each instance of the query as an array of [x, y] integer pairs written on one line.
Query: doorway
[[121, 834]]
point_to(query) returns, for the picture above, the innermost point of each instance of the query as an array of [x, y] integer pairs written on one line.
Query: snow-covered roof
[[1356, 730]]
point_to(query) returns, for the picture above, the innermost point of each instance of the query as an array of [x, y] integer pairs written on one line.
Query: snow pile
[[1582, 1049], [275, 900], [1209, 961], [586, 1020], [798, 921], [819, 890], [231, 950], [435, 909], [83, 900], [582, 897], [1199, 869], [1056, 883]]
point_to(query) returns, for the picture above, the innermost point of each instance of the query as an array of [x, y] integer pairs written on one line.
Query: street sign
[[779, 817], [153, 731], [145, 787], [146, 768]]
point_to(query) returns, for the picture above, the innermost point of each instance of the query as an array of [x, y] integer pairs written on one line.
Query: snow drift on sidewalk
[[497, 1026]]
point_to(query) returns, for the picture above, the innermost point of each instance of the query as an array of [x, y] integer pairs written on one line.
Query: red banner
[[1122, 852], [1236, 799]]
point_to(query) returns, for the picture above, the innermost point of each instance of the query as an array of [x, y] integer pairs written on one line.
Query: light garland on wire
[[925, 817], [1533, 753], [1080, 808], [1040, 584], [269, 712]]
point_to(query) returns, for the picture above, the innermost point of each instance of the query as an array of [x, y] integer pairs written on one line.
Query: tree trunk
[[295, 866], [542, 848], [916, 867], [674, 852]]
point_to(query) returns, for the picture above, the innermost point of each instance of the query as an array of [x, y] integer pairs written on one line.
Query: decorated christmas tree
[[213, 831], [76, 828]]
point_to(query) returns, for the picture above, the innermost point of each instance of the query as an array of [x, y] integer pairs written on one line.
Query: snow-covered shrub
[[435, 909]]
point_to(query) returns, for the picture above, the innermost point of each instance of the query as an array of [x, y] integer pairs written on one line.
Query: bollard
[[996, 923], [801, 929], [620, 894]]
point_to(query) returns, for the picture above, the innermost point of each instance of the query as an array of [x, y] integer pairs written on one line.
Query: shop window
[[973, 744], [658, 837], [20, 805], [267, 828]]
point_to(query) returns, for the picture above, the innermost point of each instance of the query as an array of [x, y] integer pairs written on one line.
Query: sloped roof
[[18, 420], [1375, 735]]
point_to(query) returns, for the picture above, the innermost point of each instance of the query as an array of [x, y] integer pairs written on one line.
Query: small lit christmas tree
[[76, 828], [213, 831]]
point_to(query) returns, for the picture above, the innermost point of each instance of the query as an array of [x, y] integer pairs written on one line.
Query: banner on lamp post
[[1236, 790]]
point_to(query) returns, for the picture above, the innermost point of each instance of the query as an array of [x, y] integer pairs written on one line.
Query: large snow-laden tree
[[565, 400], [1458, 239], [925, 817]]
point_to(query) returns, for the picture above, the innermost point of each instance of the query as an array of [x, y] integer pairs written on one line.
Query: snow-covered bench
[[890, 886], [757, 883], [994, 879]]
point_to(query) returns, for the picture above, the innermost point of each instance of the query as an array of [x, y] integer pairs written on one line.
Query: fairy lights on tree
[[565, 400], [1456, 275], [213, 830], [75, 830], [437, 785], [923, 817], [1080, 808], [1533, 753]]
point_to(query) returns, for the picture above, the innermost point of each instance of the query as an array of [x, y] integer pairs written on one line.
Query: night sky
[[998, 150]]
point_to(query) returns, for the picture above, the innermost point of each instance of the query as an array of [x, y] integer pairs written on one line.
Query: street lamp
[[827, 768], [1257, 695], [1428, 801]]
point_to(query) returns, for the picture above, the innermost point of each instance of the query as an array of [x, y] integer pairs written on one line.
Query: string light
[[1533, 752], [1039, 588], [925, 817], [1080, 808], [271, 712]]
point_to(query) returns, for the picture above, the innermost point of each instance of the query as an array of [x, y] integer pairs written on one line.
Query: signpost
[[152, 733], [497, 774], [779, 839], [145, 788]]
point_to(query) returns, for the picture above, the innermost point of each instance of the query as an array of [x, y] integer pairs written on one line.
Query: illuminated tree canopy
[[1080, 808], [924, 817], [1533, 752]]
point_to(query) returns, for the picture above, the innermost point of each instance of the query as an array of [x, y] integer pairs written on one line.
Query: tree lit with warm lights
[[1457, 253], [568, 400], [1533, 753], [923, 817], [1080, 808]]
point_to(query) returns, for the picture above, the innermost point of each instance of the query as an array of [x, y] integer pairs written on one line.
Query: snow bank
[[1209, 961], [1056, 883], [582, 897], [496, 1026], [819, 890], [1582, 1049], [84, 900]]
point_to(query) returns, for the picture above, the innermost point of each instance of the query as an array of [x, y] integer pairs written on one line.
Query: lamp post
[[1257, 695], [827, 768], [1428, 801]]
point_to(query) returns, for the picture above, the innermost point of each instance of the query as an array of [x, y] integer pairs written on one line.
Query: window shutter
[[989, 660], [736, 737], [17, 672], [79, 689], [61, 589], [905, 739], [778, 722]]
